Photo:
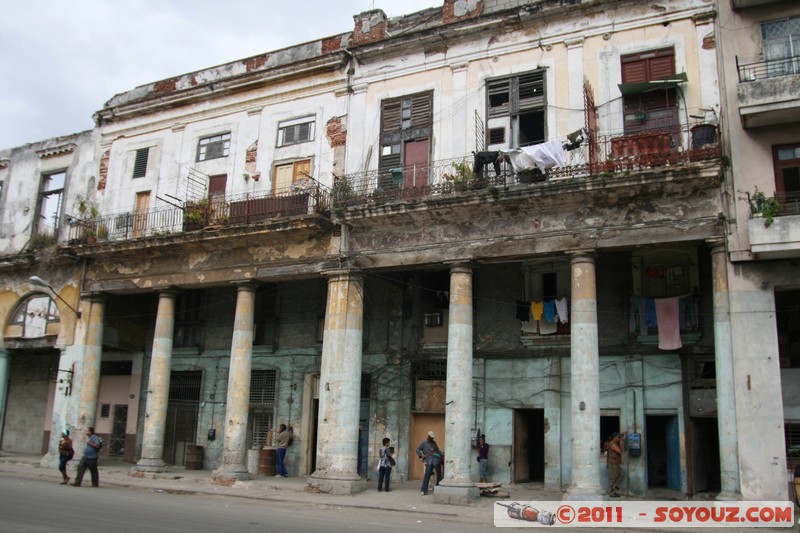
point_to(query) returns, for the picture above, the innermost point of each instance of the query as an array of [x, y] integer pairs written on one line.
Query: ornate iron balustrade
[[790, 203], [240, 209], [603, 155]]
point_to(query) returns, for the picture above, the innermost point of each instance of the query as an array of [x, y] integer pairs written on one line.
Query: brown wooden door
[[140, 216], [421, 424], [415, 162], [216, 197]]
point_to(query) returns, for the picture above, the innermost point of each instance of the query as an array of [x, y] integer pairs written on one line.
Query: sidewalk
[[404, 497]]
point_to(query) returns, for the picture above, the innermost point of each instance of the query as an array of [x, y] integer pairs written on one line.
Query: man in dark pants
[[430, 454], [89, 459]]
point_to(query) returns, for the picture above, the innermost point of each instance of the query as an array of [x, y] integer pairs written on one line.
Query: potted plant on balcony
[[462, 177], [195, 214], [87, 218], [761, 205]]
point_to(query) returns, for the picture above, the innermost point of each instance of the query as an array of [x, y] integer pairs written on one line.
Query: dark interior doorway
[[528, 452], [663, 452], [705, 455]]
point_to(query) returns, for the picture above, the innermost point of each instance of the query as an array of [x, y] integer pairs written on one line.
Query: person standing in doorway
[[483, 458], [385, 466], [89, 459], [430, 454], [283, 440], [613, 447], [65, 454]]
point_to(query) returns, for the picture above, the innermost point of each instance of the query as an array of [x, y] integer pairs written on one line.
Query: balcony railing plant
[[772, 68], [218, 211], [602, 156]]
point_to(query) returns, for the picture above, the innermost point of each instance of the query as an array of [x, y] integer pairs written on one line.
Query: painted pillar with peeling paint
[[92, 311], [458, 409], [155, 420], [723, 363], [234, 453], [340, 385], [3, 387], [584, 381]]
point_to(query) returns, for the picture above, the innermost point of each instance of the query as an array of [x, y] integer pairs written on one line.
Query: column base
[[337, 483], [50, 460], [456, 493], [227, 476], [726, 496], [590, 493], [151, 465]]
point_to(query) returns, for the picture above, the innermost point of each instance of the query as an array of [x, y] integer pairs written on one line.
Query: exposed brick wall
[[709, 43], [455, 10], [256, 62], [370, 27], [101, 183], [165, 86], [250, 154], [336, 132], [331, 44]]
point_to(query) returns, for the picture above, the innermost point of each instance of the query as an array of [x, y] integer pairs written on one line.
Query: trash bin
[[267, 460], [194, 457]]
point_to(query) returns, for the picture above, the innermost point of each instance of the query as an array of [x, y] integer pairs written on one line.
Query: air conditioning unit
[[433, 319]]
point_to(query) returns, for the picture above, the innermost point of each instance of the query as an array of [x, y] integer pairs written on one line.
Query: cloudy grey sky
[[61, 60]]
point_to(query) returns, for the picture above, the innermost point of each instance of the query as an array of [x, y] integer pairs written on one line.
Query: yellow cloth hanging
[[537, 310]]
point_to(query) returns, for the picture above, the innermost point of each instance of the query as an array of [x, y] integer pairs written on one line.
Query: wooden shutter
[[140, 165]]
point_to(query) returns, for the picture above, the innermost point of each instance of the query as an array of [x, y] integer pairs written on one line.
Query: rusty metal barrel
[[194, 457], [267, 459]]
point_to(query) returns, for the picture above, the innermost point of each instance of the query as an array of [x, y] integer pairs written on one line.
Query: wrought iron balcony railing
[[240, 209], [602, 155], [772, 68]]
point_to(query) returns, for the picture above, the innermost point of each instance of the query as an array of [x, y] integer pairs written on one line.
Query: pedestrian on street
[[89, 459], [283, 440], [613, 448], [430, 454], [385, 466], [483, 458], [65, 454]]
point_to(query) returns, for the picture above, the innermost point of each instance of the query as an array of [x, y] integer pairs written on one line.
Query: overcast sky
[[61, 60]]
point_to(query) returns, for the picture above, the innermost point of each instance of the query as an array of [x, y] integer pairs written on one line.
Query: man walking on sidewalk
[[89, 459], [283, 440]]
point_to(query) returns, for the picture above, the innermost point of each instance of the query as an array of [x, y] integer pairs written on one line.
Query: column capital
[[716, 244], [246, 285], [168, 292], [94, 297], [461, 267], [343, 273], [582, 255]]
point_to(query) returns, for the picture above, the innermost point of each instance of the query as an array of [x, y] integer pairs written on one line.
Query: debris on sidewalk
[[492, 490]]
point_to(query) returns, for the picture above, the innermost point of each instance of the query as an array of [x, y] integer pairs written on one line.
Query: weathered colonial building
[[311, 237]]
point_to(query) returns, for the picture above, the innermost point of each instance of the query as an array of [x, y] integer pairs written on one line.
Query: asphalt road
[[28, 505]]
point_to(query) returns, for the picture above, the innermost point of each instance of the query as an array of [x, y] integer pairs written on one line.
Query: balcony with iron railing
[[599, 157], [774, 229], [768, 91], [219, 211]]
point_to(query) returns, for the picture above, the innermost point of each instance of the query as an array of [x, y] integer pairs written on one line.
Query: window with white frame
[[33, 314], [781, 46], [50, 199], [214, 147], [296, 131]]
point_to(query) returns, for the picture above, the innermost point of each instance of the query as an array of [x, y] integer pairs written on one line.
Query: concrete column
[[723, 362], [457, 486], [584, 382], [155, 421], [340, 386], [92, 310], [552, 437], [237, 405], [3, 387]]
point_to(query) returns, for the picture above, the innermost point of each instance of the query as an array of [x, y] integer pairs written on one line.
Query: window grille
[[792, 432], [105, 410], [185, 385], [432, 369], [262, 388], [262, 422]]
